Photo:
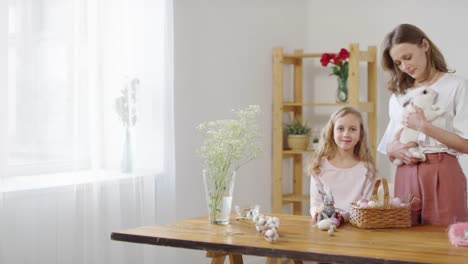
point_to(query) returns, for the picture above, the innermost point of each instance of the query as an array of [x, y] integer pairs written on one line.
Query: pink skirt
[[439, 186]]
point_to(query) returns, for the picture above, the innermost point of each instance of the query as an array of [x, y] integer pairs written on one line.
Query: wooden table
[[300, 240]]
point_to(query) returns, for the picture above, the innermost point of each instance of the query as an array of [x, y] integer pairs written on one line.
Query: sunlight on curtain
[[63, 189], [68, 62]]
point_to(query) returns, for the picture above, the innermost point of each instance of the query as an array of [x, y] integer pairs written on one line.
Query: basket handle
[[375, 197]]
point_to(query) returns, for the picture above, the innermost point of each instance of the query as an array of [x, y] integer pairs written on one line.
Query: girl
[[413, 60], [343, 163]]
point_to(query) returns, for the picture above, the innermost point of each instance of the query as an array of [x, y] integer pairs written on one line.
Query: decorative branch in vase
[[228, 145], [125, 106]]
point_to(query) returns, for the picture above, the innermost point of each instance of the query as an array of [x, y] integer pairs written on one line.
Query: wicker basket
[[383, 217]]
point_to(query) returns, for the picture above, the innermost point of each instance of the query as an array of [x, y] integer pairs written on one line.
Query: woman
[[438, 184]]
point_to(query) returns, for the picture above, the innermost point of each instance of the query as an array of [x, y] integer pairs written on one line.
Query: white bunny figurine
[[423, 98]]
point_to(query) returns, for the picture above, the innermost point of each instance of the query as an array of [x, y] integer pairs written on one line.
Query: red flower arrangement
[[340, 61]]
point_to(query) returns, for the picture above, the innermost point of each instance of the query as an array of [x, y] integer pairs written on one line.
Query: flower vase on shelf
[[219, 190], [126, 164], [342, 92], [340, 69]]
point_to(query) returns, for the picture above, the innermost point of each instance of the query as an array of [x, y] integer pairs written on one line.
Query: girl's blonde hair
[[406, 33], [328, 148]]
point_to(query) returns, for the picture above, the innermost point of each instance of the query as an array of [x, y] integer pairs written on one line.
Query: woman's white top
[[452, 97], [347, 186]]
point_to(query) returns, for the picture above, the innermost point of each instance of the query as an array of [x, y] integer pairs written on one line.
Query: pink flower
[[344, 54], [339, 61], [326, 58]]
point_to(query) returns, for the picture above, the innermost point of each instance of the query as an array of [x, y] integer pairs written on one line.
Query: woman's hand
[[397, 150], [416, 120]]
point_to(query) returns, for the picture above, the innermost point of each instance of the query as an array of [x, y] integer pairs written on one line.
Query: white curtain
[[64, 185]]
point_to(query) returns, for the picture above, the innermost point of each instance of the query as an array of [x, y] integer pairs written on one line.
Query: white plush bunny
[[423, 98]]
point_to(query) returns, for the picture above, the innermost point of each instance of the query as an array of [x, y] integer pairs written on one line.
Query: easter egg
[[335, 222], [324, 224], [396, 202], [362, 201], [363, 205]]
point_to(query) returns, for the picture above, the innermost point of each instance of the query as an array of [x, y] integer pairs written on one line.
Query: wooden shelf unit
[[295, 60]]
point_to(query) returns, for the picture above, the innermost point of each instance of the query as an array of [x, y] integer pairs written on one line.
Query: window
[[67, 62], [46, 99]]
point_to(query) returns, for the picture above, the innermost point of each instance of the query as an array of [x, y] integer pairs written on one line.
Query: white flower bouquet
[[228, 145]]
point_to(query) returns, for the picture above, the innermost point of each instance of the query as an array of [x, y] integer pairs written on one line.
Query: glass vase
[[126, 163], [219, 190], [342, 91]]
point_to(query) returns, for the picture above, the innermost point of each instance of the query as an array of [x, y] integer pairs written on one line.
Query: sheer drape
[[72, 224], [62, 190]]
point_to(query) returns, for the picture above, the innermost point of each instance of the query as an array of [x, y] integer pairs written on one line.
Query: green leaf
[[297, 128]]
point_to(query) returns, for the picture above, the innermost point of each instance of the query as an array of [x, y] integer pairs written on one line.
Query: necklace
[[430, 79]]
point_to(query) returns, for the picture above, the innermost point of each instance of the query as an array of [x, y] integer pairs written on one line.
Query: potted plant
[[298, 135], [315, 143]]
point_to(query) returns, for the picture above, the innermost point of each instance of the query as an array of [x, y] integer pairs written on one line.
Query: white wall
[[223, 61], [223, 54]]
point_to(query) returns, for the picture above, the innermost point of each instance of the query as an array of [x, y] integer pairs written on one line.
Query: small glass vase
[[126, 163], [342, 91], [219, 190]]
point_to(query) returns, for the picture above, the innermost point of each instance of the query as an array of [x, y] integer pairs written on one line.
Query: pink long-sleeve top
[[347, 185]]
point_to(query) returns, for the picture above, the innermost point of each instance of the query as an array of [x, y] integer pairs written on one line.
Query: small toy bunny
[[328, 208], [423, 98], [326, 217]]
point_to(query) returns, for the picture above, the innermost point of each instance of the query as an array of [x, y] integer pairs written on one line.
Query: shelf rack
[[295, 60]]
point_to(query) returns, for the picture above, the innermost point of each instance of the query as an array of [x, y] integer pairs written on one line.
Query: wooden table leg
[[219, 257], [271, 260], [216, 257], [235, 259]]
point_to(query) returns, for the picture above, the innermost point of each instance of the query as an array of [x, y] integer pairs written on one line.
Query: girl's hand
[[314, 217], [339, 216], [395, 149], [415, 120]]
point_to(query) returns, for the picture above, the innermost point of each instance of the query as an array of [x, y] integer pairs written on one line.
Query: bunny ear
[[328, 190], [321, 192], [407, 101]]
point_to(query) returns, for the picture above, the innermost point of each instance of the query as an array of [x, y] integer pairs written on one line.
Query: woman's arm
[[395, 149], [419, 122], [391, 139]]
